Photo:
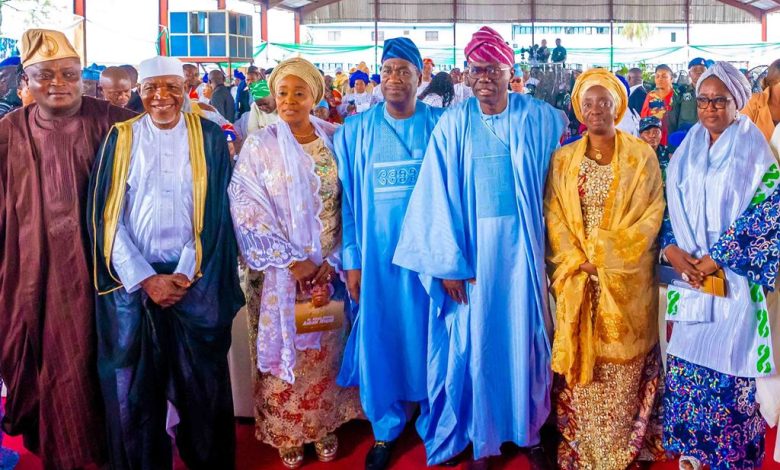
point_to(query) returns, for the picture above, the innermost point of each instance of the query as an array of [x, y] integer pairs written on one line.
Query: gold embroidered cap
[[43, 45]]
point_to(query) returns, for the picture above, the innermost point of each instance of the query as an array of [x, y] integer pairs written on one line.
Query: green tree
[[639, 32], [36, 11]]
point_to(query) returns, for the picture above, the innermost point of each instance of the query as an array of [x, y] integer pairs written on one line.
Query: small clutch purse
[[714, 284], [319, 313]]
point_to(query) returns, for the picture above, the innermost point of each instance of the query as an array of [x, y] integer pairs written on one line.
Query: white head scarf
[[734, 80]]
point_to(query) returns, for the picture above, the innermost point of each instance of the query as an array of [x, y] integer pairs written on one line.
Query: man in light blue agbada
[[379, 153], [474, 231]]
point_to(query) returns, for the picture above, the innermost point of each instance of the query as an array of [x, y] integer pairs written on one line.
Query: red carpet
[[355, 440]]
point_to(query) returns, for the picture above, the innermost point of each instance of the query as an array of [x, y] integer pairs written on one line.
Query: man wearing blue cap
[[650, 132], [379, 156], [686, 105], [359, 99], [376, 93], [9, 78]]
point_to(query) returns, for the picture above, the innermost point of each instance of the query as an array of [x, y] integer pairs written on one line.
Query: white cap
[[160, 66]]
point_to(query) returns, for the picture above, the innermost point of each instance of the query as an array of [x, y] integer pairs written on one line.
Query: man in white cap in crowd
[[167, 277], [47, 321]]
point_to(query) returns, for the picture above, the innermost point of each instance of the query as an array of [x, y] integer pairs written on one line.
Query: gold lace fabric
[[594, 183], [330, 193]]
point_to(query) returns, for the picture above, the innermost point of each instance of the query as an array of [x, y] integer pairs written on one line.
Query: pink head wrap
[[487, 45]]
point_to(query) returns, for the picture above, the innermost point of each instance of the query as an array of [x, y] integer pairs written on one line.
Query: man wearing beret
[[47, 350], [686, 110]]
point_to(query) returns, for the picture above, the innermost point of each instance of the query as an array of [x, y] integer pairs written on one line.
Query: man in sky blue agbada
[[380, 152]]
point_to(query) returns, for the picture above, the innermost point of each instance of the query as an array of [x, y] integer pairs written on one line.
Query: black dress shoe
[[539, 459], [379, 456], [453, 462]]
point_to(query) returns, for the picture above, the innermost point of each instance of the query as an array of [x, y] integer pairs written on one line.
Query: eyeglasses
[[720, 102], [491, 72]]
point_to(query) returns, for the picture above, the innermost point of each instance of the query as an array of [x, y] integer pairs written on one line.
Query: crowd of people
[[442, 249]]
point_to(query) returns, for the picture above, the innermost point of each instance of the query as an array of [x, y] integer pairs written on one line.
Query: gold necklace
[[313, 131], [598, 156]]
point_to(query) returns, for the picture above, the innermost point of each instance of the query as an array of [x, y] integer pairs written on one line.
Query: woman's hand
[[304, 271], [685, 264], [588, 267], [324, 274], [707, 266]]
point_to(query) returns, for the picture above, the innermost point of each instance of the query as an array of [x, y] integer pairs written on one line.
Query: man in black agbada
[[166, 271]]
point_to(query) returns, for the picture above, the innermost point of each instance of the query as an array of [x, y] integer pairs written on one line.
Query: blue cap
[[649, 122], [92, 72], [402, 48], [238, 75], [676, 138], [324, 104], [625, 83], [13, 60], [697, 61], [376, 78], [359, 75]]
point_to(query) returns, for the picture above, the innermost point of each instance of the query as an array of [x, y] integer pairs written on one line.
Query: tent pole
[[688, 28], [533, 23], [454, 33], [611, 45], [376, 36], [611, 35]]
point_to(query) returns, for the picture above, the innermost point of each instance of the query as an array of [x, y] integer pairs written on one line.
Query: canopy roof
[[503, 11]]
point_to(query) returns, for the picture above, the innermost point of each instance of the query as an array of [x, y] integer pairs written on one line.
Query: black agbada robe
[[149, 355]]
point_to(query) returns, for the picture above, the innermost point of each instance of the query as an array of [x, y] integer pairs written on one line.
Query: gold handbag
[[311, 319]]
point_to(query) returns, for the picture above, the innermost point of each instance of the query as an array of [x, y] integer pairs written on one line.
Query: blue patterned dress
[[708, 414]]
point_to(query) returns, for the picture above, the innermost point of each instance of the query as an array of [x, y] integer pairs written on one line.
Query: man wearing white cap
[[166, 272], [47, 326]]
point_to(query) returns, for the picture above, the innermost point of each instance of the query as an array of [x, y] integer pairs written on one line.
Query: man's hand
[[166, 290], [354, 277], [685, 264], [456, 289]]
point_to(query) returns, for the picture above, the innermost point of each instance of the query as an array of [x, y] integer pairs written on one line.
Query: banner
[[755, 53]]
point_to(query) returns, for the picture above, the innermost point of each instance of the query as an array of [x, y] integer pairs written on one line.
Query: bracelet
[[292, 264]]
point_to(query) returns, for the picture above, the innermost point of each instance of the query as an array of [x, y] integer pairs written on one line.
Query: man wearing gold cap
[[166, 271], [47, 353]]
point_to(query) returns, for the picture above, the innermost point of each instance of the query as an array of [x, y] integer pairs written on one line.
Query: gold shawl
[[623, 249]]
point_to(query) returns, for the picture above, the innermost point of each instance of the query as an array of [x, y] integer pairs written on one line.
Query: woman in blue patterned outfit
[[723, 215]]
